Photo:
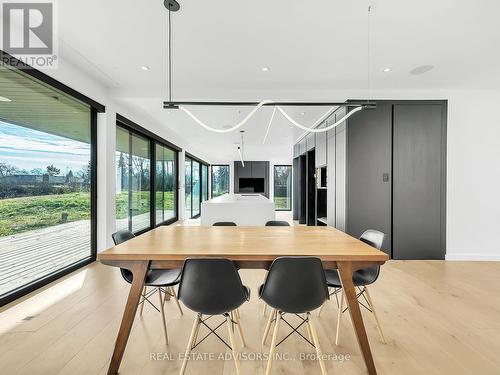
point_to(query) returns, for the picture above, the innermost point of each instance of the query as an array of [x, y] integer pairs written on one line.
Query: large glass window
[[133, 159], [220, 180], [204, 182], [46, 171], [165, 184], [283, 187], [196, 186]]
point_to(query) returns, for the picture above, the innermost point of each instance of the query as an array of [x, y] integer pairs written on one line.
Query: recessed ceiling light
[[145, 67], [387, 70], [266, 69], [421, 69], [302, 113], [4, 99]]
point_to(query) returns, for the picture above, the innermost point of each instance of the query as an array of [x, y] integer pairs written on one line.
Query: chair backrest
[[277, 223], [211, 286], [118, 238], [295, 284], [375, 239], [122, 236], [224, 224]]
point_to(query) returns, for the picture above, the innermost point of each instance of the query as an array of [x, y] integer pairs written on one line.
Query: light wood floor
[[439, 318]]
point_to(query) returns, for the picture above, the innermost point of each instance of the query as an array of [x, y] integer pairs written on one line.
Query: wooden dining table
[[248, 247]]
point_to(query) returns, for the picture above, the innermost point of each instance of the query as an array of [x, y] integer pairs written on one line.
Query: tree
[[8, 170], [37, 171], [53, 171]]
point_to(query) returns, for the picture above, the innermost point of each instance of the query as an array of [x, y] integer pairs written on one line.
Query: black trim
[[365, 104], [291, 187], [145, 132], [190, 156], [93, 183], [7, 59], [212, 181]]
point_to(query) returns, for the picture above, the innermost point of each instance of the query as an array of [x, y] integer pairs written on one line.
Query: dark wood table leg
[[345, 272], [139, 269]]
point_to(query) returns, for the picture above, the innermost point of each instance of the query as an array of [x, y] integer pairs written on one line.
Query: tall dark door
[[369, 172], [311, 188], [418, 185], [295, 189], [302, 189]]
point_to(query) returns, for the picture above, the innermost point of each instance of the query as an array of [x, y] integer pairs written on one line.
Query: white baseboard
[[473, 256]]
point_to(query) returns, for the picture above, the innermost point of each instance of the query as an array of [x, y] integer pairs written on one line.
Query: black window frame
[[202, 163], [291, 185], [95, 108], [211, 178], [153, 139]]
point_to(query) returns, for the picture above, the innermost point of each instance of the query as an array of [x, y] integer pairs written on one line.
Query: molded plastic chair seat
[[277, 223], [212, 286], [157, 278], [224, 224], [295, 285], [362, 277]]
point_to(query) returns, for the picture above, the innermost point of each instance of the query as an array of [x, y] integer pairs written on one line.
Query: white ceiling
[[313, 50]]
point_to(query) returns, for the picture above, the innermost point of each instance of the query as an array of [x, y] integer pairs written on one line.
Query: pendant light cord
[[169, 55], [369, 50]]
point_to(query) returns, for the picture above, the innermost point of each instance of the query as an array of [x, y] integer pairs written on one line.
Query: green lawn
[[18, 215], [281, 203]]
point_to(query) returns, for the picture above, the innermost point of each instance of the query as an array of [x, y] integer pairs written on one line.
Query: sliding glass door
[[47, 164], [220, 180], [146, 181], [283, 187], [165, 184], [196, 186], [133, 204]]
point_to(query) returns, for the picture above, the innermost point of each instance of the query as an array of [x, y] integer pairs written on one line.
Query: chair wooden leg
[[339, 316], [197, 331], [144, 291], [321, 309], [309, 333], [374, 312], [323, 305], [273, 344], [162, 312], [264, 310], [190, 344], [172, 290], [233, 344], [237, 312], [315, 338], [268, 325], [240, 329]]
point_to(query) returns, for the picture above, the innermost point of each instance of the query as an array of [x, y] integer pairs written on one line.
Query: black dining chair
[[277, 223], [224, 224], [361, 279], [212, 286], [160, 280], [294, 285]]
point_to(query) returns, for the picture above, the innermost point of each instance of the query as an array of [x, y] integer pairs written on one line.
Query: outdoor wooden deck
[[28, 256]]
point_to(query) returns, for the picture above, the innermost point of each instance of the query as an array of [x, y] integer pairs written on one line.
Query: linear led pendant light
[[354, 106]]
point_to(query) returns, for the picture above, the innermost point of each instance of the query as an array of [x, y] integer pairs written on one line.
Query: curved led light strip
[[239, 125], [322, 130], [292, 121]]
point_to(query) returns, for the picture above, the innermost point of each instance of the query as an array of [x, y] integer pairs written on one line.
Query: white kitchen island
[[242, 209]]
